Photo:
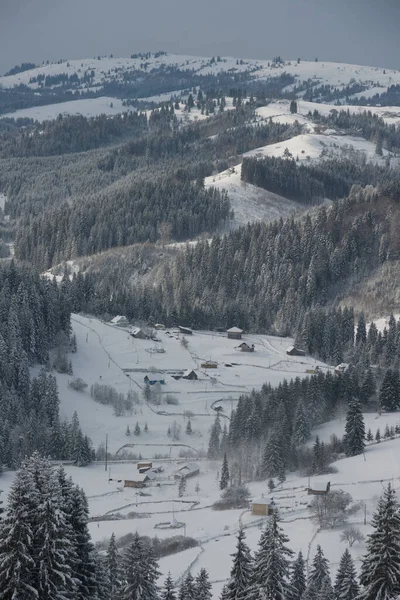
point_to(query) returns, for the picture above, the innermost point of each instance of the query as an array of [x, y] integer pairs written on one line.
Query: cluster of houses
[[148, 475]]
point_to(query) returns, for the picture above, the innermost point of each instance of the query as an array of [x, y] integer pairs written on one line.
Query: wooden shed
[[235, 333], [185, 330], [153, 378], [138, 333], [187, 470], [245, 347], [119, 320], [144, 465], [139, 481], [263, 507], [190, 374], [209, 364], [319, 489], [293, 351]]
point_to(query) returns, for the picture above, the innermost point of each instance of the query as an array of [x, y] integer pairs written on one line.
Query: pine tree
[[319, 572], [203, 586], [301, 425], [188, 588], [272, 463], [224, 481], [271, 562], [241, 572], [214, 445], [113, 565], [380, 570], [189, 429], [389, 399], [378, 435], [354, 430], [136, 431], [139, 570], [297, 579], [346, 586], [168, 592], [370, 436], [271, 485], [182, 487], [17, 541]]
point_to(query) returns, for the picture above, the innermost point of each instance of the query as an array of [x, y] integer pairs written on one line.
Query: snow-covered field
[[107, 354], [87, 107]]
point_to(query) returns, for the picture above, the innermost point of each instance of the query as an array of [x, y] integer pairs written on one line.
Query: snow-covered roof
[[136, 330], [342, 366], [235, 330], [118, 319], [190, 467], [188, 371], [263, 501], [319, 486], [155, 376], [290, 348], [139, 477]]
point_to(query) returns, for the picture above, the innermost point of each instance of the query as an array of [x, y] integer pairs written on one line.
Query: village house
[[190, 374], [153, 378], [187, 470], [138, 333], [209, 364], [139, 480], [319, 489], [159, 326], [263, 507], [119, 320], [235, 333], [293, 351], [245, 347], [342, 368], [185, 330]]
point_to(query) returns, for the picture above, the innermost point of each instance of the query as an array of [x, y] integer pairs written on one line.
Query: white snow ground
[[104, 350]]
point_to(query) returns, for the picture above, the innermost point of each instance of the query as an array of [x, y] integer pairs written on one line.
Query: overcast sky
[[357, 31]]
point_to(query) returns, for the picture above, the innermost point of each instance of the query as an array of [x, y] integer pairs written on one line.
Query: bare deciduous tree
[[351, 535]]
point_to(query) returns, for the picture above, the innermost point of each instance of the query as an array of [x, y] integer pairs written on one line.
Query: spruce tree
[[319, 571], [241, 572], [139, 572], [17, 553], [297, 579], [182, 486], [272, 462], [354, 439], [346, 586], [203, 586], [380, 570], [271, 562], [224, 481], [214, 445], [301, 425], [113, 565], [168, 591]]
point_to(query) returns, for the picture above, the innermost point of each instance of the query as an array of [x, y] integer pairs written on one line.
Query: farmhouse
[[190, 374], [342, 368], [234, 333], [319, 489], [119, 320], [153, 378], [144, 465], [209, 364], [245, 347], [139, 480], [187, 470], [293, 351], [185, 330], [263, 507], [138, 333]]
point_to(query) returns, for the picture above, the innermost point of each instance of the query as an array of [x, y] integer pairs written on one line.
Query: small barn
[[139, 480], [245, 347], [342, 368], [187, 470], [190, 374], [138, 333], [293, 351], [153, 378], [209, 364], [263, 507], [235, 333], [319, 489], [185, 330], [144, 465], [119, 320]]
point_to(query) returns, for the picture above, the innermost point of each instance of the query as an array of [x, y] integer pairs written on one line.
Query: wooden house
[[235, 333], [187, 470], [245, 347], [119, 320], [153, 378], [190, 374], [185, 330], [209, 364], [263, 507], [342, 368], [138, 333], [139, 480], [293, 351], [319, 489], [159, 326], [144, 465]]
